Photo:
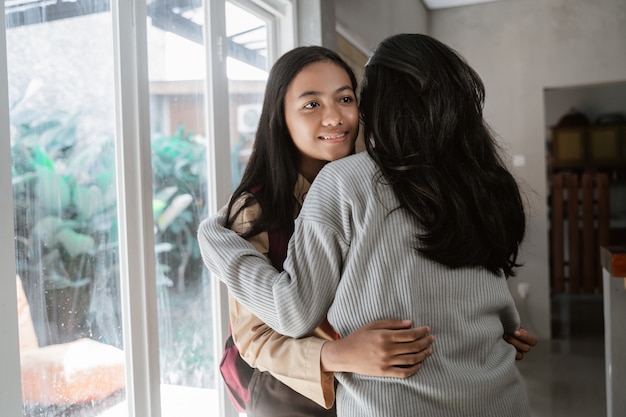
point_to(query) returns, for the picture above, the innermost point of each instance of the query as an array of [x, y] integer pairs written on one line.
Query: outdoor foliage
[[179, 172], [64, 194]]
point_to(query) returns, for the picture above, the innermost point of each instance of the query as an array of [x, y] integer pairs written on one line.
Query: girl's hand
[[385, 348], [522, 341]]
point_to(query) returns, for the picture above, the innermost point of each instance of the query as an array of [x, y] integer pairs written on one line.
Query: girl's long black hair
[[421, 107], [272, 170]]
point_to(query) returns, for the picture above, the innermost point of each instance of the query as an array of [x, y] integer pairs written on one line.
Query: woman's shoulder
[[358, 163], [343, 179]]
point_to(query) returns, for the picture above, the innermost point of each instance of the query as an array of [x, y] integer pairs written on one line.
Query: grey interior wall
[[370, 21], [520, 48]]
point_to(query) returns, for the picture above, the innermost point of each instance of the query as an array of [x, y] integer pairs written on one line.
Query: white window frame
[[10, 388], [218, 164], [135, 218]]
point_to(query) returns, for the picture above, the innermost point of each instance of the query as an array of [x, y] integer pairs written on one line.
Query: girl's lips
[[335, 136]]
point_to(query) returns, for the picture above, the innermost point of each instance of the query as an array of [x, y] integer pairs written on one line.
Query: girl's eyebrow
[[318, 93], [343, 88]]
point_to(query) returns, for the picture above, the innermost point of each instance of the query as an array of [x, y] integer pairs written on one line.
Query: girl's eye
[[347, 99], [311, 105]]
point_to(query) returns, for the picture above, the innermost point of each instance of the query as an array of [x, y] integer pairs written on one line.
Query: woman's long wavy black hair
[[421, 107], [272, 170]]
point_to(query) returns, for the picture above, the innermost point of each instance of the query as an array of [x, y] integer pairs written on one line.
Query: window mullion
[[10, 387], [218, 163], [134, 176]]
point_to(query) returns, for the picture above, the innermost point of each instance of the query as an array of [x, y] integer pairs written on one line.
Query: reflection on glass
[[247, 73], [62, 148], [178, 132]]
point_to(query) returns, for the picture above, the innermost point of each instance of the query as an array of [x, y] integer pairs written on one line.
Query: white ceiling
[[443, 4]]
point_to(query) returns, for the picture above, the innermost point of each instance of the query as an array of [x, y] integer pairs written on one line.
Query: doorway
[[585, 137]]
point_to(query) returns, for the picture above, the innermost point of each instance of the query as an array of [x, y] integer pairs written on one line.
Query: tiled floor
[[565, 376]]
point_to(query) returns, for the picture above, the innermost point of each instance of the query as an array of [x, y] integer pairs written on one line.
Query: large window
[[117, 315]]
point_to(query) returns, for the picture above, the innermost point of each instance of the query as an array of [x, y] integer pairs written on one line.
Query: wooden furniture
[[614, 261], [591, 147], [580, 225]]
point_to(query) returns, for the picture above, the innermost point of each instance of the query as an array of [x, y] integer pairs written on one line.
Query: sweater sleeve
[[292, 302], [294, 362]]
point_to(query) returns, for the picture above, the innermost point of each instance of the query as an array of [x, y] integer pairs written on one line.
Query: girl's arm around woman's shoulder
[[290, 305]]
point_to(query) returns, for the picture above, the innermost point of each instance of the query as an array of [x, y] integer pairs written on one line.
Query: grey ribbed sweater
[[353, 258]]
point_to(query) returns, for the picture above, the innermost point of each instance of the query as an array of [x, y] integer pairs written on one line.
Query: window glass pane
[[247, 66], [178, 124], [61, 88], [177, 77]]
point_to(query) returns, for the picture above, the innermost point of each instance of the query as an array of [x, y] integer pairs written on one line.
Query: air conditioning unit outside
[[248, 117]]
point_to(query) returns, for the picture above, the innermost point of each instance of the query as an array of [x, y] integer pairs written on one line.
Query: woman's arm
[[291, 302]]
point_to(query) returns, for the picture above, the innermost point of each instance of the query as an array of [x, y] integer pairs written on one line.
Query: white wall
[[520, 48]]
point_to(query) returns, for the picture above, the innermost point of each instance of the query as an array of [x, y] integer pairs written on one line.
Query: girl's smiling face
[[322, 115]]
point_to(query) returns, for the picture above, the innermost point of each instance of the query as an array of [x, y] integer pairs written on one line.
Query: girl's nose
[[332, 116]]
